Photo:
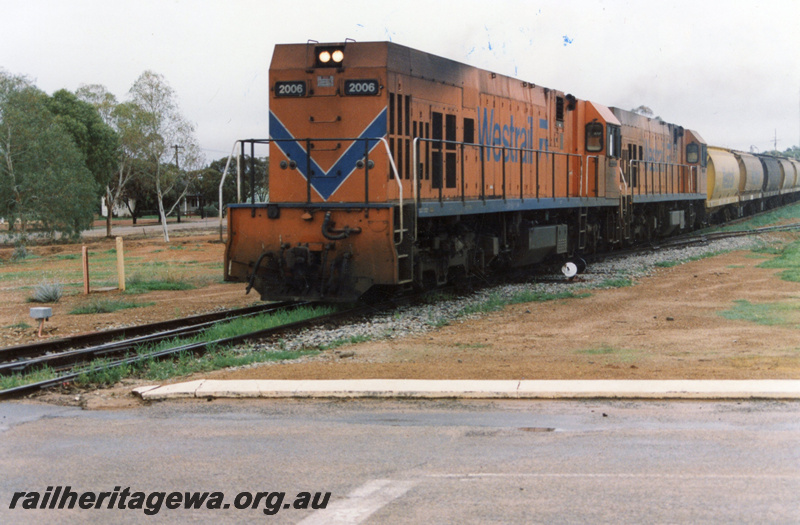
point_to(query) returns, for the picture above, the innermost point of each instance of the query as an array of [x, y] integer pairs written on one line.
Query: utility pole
[[179, 169]]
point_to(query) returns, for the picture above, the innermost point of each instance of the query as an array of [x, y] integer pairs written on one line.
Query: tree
[[43, 176], [96, 140], [98, 96], [162, 128], [128, 120]]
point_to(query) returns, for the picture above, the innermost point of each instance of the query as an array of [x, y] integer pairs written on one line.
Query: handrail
[[597, 163], [399, 186], [222, 182], [622, 177], [649, 167], [415, 192], [308, 175], [504, 150]]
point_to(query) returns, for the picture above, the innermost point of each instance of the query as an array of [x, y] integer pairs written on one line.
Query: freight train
[[392, 168]]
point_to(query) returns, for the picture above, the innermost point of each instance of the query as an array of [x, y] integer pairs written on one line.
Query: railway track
[[690, 239], [698, 238], [71, 357], [71, 363], [153, 330]]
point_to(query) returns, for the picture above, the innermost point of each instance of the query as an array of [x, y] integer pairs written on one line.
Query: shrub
[[20, 252], [48, 292]]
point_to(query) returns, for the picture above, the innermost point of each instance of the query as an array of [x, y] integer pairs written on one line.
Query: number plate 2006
[[290, 89], [361, 87]]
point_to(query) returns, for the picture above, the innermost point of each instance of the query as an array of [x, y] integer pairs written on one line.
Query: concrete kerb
[[477, 389]]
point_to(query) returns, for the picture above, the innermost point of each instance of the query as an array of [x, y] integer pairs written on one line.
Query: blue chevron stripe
[[327, 182]]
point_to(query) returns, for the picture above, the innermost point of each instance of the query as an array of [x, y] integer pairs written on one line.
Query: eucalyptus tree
[[168, 145], [116, 116]]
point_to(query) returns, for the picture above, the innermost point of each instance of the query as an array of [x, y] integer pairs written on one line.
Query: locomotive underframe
[[451, 247]]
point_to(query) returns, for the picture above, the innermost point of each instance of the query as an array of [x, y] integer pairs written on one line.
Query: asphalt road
[[409, 462]]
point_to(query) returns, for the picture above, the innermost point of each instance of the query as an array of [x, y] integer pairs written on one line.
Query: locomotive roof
[[395, 57]]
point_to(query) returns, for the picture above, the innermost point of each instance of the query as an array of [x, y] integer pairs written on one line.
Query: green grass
[[771, 249], [787, 259], [106, 376], [625, 355], [770, 314], [186, 364], [496, 301], [139, 285], [619, 282], [15, 380], [104, 306], [601, 350], [265, 321]]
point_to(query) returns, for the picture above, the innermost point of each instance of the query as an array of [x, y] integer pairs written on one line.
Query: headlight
[[329, 56]]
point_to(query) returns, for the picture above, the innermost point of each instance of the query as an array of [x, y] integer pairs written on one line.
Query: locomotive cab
[[332, 227], [603, 143]]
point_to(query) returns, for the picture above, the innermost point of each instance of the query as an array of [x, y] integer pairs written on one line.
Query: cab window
[[692, 153], [594, 137], [614, 148]]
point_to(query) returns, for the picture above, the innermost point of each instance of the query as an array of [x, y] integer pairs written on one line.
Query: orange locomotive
[[395, 167]]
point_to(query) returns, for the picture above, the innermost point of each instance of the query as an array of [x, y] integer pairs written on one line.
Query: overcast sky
[[729, 69]]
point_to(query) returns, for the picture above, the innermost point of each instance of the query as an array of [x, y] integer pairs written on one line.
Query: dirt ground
[[191, 258], [667, 326]]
